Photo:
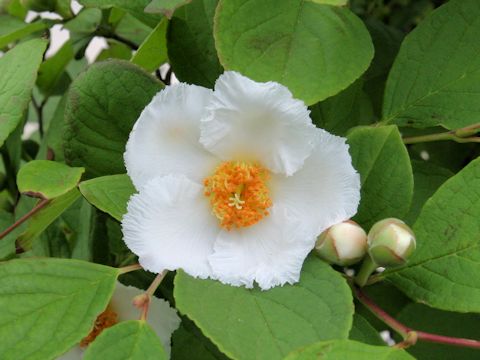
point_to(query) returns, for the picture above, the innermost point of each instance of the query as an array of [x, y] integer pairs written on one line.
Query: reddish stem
[[24, 218], [410, 335]]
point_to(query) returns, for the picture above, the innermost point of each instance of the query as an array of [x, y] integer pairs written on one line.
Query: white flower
[[161, 318], [234, 184]]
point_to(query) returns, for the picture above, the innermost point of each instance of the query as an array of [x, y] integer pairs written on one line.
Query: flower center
[[105, 320], [238, 193]]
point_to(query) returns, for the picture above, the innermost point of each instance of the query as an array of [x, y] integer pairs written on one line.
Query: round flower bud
[[342, 244], [390, 242]]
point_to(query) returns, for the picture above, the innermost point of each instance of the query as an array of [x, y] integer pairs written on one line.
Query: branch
[[121, 39], [463, 135], [143, 301], [409, 335], [24, 218]]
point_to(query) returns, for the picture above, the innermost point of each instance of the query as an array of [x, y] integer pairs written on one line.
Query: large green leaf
[[153, 51], [18, 72], [381, 158], [47, 179], [427, 179], [339, 113], [12, 29], [436, 77], [49, 305], [166, 7], [190, 43], [134, 7], [423, 318], [109, 193], [249, 323], [188, 342], [129, 340], [51, 73], [348, 349], [315, 50], [363, 332], [444, 271], [102, 106]]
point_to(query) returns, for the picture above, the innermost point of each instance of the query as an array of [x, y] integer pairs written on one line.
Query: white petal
[[270, 252], [169, 225], [326, 190], [165, 138], [161, 317], [255, 120]]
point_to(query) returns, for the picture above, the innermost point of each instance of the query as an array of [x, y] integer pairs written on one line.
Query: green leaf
[[363, 332], [421, 317], [134, 7], [188, 342], [331, 2], [82, 28], [130, 28], [109, 193], [129, 340], [166, 7], [49, 305], [115, 50], [427, 179], [254, 324], [153, 51], [13, 29], [102, 106], [7, 246], [315, 50], [47, 179], [435, 79], [339, 113], [444, 271], [18, 72], [348, 349], [387, 185], [44, 217], [386, 40], [52, 142], [190, 43], [51, 71]]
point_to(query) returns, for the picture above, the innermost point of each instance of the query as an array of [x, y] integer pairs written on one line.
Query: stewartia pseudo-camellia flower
[[162, 318], [233, 184]]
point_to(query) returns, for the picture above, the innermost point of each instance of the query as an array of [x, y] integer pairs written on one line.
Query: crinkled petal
[[326, 190], [270, 252], [169, 225], [261, 121], [161, 317], [165, 139]]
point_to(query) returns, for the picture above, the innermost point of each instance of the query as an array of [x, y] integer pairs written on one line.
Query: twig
[[409, 335], [463, 135], [24, 218], [143, 301], [123, 40], [129, 268]]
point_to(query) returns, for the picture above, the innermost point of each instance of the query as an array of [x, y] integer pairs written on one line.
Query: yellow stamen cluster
[[238, 193], [105, 320]]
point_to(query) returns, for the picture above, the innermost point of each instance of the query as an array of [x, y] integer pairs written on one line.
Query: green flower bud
[[342, 244], [390, 242]]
